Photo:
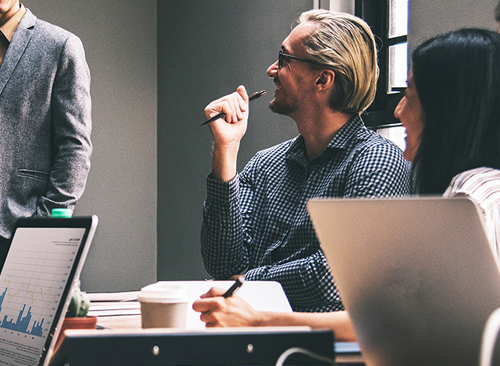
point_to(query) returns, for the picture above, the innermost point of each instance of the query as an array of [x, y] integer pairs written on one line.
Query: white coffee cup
[[163, 306]]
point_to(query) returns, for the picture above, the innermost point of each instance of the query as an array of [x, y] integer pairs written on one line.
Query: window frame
[[381, 112]]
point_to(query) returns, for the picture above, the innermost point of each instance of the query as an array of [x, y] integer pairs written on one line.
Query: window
[[389, 22], [395, 133], [397, 44]]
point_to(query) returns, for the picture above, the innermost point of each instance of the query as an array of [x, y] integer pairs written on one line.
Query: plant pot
[[88, 322]]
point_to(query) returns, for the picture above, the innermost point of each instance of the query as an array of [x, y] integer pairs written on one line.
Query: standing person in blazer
[[45, 118]]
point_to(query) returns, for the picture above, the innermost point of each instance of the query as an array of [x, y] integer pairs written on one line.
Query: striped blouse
[[483, 186]]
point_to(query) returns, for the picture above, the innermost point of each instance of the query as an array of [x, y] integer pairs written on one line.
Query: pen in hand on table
[[222, 114], [234, 287]]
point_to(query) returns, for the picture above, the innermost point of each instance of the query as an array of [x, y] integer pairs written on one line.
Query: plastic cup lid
[[161, 293]]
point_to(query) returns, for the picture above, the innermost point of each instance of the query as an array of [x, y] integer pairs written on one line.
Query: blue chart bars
[[22, 323]]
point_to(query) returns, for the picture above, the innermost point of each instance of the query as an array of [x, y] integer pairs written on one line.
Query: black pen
[[222, 114], [234, 287]]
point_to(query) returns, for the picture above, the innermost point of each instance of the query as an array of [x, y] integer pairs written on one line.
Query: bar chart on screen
[[34, 283], [31, 284], [30, 290]]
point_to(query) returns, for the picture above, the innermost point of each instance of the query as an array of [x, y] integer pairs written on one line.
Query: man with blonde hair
[[256, 222]]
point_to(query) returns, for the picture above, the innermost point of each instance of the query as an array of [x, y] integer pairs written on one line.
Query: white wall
[[120, 43]]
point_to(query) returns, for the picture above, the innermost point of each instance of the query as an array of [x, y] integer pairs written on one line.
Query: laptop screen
[[44, 258]]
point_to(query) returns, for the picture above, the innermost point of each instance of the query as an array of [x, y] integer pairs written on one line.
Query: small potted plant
[[78, 309], [76, 316]]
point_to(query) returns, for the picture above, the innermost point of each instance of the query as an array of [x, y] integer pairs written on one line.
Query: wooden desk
[[120, 322]]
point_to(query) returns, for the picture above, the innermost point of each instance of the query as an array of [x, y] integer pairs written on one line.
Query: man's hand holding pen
[[232, 127], [228, 132], [222, 114], [220, 308]]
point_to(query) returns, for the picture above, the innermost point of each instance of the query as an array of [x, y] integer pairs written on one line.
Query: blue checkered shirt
[[259, 222]]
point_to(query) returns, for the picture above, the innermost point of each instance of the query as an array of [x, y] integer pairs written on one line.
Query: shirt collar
[[339, 141], [9, 28], [342, 138]]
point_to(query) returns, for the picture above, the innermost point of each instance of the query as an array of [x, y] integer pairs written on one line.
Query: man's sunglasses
[[282, 57]]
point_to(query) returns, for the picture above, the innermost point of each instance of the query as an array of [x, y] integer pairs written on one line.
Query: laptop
[[417, 276], [45, 258]]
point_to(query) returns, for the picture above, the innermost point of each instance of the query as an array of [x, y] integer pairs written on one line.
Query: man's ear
[[326, 79]]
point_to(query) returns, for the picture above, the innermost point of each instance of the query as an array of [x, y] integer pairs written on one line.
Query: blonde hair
[[345, 44]]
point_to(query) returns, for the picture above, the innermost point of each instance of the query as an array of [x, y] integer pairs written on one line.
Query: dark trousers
[[4, 249]]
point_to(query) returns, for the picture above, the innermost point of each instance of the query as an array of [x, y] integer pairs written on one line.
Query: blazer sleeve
[[71, 129]]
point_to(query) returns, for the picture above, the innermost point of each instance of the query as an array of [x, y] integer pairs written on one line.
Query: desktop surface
[[121, 340]]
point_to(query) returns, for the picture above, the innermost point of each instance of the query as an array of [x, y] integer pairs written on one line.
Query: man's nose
[[272, 70]]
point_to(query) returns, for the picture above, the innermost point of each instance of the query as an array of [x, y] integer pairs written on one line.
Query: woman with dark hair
[[450, 111]]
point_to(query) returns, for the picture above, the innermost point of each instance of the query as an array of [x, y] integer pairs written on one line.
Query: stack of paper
[[115, 303]]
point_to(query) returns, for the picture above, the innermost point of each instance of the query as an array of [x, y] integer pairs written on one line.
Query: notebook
[[261, 295], [46, 256], [417, 276]]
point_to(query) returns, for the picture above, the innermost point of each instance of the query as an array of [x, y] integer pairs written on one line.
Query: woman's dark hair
[[457, 77]]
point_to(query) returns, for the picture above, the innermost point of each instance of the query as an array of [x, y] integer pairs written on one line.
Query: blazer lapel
[[17, 47]]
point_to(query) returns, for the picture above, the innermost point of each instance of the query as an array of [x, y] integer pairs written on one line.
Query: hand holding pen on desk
[[220, 308], [236, 285]]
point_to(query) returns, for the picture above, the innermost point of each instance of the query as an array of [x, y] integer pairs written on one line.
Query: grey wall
[[431, 17], [205, 50], [144, 120], [120, 43]]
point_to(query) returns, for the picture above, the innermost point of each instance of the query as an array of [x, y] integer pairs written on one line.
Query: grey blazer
[[45, 122]]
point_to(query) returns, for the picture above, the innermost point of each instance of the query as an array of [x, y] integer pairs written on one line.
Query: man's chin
[[280, 108]]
